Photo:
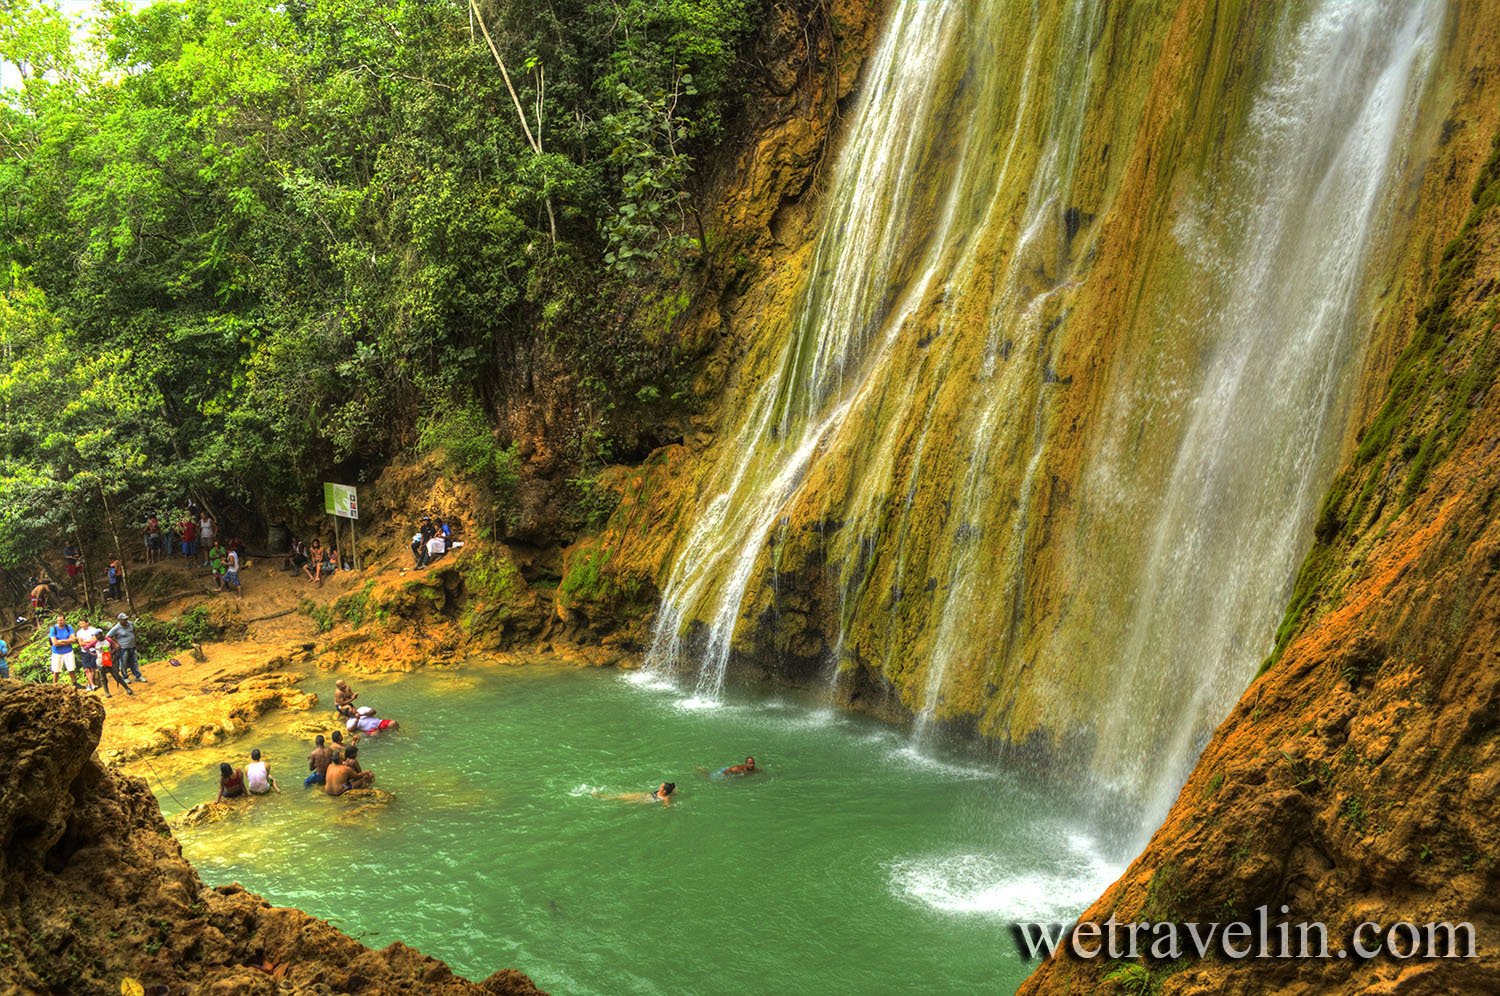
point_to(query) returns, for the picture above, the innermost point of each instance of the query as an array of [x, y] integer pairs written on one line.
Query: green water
[[851, 864]]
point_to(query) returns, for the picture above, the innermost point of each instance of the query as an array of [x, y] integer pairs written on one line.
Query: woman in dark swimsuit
[[231, 783], [663, 795]]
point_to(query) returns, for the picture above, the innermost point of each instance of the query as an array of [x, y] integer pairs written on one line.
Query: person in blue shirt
[[4, 658], [63, 641]]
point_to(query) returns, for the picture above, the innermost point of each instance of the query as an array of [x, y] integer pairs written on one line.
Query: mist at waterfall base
[[850, 864]]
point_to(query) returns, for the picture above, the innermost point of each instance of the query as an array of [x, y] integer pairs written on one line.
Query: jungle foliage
[[246, 244]]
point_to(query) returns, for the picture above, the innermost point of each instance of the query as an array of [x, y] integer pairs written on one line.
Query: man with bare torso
[[318, 762], [343, 777]]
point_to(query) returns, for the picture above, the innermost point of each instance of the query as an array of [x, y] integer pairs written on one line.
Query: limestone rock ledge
[[94, 889]]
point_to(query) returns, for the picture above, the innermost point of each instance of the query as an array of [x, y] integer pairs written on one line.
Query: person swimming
[[748, 768], [662, 794], [367, 722], [733, 770]]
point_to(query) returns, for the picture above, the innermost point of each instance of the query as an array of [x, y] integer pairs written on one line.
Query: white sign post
[[341, 502]]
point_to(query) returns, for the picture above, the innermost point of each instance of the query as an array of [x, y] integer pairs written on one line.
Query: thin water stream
[[852, 864]]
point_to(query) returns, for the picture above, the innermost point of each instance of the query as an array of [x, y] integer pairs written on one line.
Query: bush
[[468, 447]]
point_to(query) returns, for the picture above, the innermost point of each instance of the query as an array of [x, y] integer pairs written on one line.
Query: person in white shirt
[[88, 652], [231, 578], [205, 535], [436, 547], [258, 775]]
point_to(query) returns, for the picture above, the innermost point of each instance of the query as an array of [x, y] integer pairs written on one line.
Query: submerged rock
[[204, 812]]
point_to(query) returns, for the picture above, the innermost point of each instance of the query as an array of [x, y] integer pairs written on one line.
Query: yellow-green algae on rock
[[1035, 434]]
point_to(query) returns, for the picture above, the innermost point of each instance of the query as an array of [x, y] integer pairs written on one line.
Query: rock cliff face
[[1357, 778], [1024, 521], [94, 889]]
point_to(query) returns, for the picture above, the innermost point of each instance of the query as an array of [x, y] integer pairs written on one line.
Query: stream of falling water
[[959, 183], [1230, 524]]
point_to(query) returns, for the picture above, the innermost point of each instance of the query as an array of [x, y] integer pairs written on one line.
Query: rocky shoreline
[[96, 891]]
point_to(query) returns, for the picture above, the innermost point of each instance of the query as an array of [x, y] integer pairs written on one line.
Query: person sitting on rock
[[343, 698], [343, 777], [258, 775], [338, 746], [318, 762], [231, 783]]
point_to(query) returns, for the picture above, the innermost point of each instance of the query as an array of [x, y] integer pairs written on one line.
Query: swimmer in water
[[663, 795], [734, 770]]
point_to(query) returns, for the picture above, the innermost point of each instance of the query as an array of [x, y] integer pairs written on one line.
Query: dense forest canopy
[[247, 244]]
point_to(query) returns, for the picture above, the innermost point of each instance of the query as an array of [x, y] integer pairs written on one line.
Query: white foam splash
[[1058, 887]]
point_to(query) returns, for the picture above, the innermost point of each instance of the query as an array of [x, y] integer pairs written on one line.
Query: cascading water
[[1227, 526], [1054, 492]]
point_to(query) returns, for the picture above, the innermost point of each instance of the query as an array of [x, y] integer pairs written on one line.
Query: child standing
[[107, 668]]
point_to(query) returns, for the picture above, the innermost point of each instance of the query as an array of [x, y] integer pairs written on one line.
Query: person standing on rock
[[258, 775], [155, 546], [122, 635], [188, 528], [88, 652], [63, 639], [318, 762], [216, 565], [107, 669], [231, 578], [205, 535]]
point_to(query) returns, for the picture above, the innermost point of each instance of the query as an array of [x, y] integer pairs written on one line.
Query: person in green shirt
[[216, 564]]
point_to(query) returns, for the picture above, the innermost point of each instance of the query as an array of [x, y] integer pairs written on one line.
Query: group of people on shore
[[313, 560], [103, 656], [432, 540]]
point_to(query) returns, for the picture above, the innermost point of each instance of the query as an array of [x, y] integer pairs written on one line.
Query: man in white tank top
[[258, 775]]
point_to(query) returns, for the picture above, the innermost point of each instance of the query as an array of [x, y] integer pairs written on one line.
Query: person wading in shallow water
[[318, 762], [231, 783], [343, 777], [258, 775], [663, 795]]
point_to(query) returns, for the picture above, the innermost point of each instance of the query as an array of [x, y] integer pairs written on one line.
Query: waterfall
[[1225, 530], [1045, 503]]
